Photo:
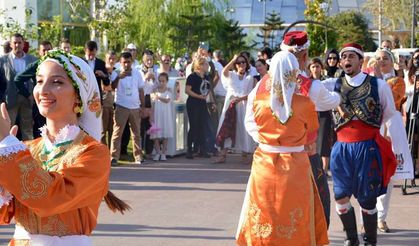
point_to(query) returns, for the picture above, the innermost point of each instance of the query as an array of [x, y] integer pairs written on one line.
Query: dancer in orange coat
[[53, 186], [282, 205]]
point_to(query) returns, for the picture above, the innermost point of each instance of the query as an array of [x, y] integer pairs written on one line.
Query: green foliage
[[273, 23], [396, 16], [77, 50], [316, 33], [352, 26], [52, 31], [11, 26]]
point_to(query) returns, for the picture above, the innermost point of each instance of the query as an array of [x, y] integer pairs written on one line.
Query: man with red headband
[[297, 43], [362, 161]]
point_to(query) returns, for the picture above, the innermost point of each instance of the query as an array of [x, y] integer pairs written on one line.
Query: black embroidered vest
[[362, 102]]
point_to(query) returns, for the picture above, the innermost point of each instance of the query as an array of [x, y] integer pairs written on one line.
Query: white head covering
[[388, 52], [284, 71], [84, 82]]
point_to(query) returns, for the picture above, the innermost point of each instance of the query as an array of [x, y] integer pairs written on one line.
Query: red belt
[[357, 131]]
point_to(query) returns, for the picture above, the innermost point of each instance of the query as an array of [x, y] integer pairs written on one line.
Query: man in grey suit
[[17, 105]]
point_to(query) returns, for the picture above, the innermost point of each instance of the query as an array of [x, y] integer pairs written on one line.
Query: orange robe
[[398, 88], [57, 203], [282, 205]]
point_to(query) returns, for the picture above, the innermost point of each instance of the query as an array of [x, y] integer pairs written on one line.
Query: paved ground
[[184, 202]]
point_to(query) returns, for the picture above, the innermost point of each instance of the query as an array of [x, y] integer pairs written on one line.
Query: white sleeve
[[400, 145], [249, 118], [226, 81], [10, 145], [323, 99], [329, 83], [386, 100], [140, 81], [409, 90], [113, 76]]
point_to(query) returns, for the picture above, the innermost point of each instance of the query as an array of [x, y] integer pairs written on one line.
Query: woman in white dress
[[239, 83], [162, 108]]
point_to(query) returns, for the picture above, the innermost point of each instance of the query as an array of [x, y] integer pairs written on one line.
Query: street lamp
[[230, 10], [264, 8]]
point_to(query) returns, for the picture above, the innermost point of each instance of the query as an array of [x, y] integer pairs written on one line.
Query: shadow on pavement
[[111, 230], [125, 186], [131, 173]]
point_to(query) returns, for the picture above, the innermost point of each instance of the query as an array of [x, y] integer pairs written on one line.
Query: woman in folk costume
[[385, 61], [231, 131], [281, 205], [53, 186]]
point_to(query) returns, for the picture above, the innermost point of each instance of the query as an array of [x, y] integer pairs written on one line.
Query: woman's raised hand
[[5, 123]]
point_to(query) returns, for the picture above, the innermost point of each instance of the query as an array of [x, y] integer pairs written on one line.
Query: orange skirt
[[282, 205]]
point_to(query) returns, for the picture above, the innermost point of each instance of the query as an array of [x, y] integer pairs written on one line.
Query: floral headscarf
[[284, 71], [84, 82]]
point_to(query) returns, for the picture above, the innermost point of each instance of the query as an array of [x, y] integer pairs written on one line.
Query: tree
[[316, 33], [352, 26], [396, 16], [11, 26], [272, 24], [52, 31]]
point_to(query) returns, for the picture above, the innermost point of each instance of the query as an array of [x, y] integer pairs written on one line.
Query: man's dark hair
[[148, 52], [45, 43], [267, 51], [91, 45], [126, 55], [17, 35], [65, 40]]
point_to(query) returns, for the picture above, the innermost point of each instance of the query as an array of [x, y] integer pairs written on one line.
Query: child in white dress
[[162, 117]]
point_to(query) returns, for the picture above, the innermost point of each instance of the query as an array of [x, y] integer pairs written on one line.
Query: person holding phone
[[129, 96]]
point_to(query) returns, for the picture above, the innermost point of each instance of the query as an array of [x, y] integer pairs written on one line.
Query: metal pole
[[412, 40], [380, 19]]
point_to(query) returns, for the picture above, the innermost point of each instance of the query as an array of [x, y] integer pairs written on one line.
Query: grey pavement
[[192, 202]]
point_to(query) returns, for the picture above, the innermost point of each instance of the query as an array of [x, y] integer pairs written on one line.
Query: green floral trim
[[56, 55]]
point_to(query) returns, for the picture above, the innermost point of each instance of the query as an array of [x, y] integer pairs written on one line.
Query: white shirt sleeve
[[386, 100], [10, 145], [140, 81], [114, 74], [249, 118], [329, 83], [322, 98]]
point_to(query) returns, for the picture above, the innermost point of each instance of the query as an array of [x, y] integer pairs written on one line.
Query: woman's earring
[[77, 109]]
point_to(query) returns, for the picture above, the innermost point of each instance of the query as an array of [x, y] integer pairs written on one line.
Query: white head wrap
[[388, 52], [284, 71], [84, 82]]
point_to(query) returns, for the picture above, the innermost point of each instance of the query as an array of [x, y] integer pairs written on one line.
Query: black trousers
[[198, 125]]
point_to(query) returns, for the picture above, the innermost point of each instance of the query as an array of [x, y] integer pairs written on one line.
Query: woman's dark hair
[[410, 66], [331, 70], [245, 59]]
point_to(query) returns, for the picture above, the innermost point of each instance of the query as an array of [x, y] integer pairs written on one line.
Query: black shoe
[[189, 155], [349, 225], [370, 226], [114, 163]]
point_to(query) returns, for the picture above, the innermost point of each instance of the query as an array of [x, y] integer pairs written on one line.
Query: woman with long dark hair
[[231, 132]]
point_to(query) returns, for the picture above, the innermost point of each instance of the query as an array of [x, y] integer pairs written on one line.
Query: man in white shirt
[[129, 96], [17, 105]]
